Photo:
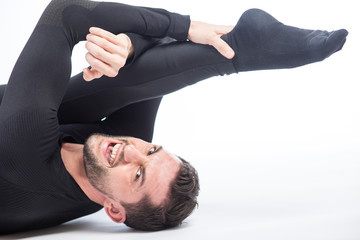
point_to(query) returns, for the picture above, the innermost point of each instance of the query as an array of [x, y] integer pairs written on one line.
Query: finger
[[114, 60], [124, 41], [121, 40], [222, 47], [95, 73], [221, 30], [101, 42], [98, 52], [88, 75], [103, 34], [91, 74], [119, 48], [101, 66]]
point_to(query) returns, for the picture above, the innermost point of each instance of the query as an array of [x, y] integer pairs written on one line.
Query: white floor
[[278, 152], [274, 197]]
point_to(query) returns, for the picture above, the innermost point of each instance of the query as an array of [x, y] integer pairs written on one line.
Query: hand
[[107, 53], [205, 33]]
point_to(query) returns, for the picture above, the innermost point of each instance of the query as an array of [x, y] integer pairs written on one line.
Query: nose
[[132, 155]]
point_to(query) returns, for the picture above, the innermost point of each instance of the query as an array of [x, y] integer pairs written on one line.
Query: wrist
[[130, 46], [192, 29]]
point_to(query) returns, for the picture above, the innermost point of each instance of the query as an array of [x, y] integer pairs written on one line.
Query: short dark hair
[[180, 203]]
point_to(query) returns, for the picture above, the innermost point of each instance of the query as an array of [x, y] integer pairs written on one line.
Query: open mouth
[[112, 152]]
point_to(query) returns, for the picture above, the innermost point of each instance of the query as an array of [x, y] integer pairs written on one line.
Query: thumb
[[91, 74], [224, 29], [87, 75], [222, 47]]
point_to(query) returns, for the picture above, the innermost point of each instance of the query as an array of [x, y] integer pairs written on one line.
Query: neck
[[73, 159]]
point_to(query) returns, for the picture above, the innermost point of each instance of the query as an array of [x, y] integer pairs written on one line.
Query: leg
[[259, 40], [262, 42], [45, 61], [135, 120], [190, 63], [40, 77], [2, 91], [140, 44], [160, 70]]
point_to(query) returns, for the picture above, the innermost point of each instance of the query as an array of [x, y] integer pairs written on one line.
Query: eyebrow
[[160, 148]]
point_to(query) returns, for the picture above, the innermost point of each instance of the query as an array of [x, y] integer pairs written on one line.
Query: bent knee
[[53, 14]]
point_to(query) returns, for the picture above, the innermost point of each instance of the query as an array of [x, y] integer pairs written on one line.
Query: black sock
[[262, 42]]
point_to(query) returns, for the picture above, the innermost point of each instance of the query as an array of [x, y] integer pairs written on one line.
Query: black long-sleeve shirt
[[36, 191]]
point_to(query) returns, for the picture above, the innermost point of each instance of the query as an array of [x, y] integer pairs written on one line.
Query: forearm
[[47, 68], [109, 62], [177, 27], [121, 18], [139, 44], [158, 71]]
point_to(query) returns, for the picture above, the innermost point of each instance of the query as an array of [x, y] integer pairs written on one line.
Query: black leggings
[[41, 76], [139, 86]]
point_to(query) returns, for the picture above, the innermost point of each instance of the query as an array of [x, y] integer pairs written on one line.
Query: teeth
[[114, 151]]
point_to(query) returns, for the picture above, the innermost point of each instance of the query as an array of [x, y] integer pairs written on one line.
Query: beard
[[97, 174]]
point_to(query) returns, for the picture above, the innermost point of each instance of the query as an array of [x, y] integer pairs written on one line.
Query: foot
[[262, 42]]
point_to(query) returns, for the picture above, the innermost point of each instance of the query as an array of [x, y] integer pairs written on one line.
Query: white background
[[277, 151]]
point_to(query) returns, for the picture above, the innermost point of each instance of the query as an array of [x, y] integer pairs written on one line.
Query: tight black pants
[[136, 91], [41, 75], [40, 101]]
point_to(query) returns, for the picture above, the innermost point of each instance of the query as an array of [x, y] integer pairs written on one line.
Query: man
[[58, 160]]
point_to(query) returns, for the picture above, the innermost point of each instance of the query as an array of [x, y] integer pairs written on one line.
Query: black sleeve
[[28, 113], [140, 44], [42, 71], [29, 128]]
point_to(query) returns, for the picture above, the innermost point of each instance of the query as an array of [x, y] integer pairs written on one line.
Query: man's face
[[126, 169]]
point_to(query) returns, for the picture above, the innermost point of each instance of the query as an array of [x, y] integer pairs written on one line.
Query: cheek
[[119, 181], [91, 163], [122, 187]]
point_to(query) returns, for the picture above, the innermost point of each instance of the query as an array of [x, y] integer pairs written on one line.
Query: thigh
[[160, 70], [135, 120], [2, 91]]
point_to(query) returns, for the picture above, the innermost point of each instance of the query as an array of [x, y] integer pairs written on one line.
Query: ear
[[115, 211]]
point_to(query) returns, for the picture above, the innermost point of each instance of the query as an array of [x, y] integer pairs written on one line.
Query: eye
[[152, 150], [138, 174]]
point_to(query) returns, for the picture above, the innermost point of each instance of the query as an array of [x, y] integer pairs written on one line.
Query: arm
[[39, 80], [43, 69], [116, 50], [210, 34], [108, 52]]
